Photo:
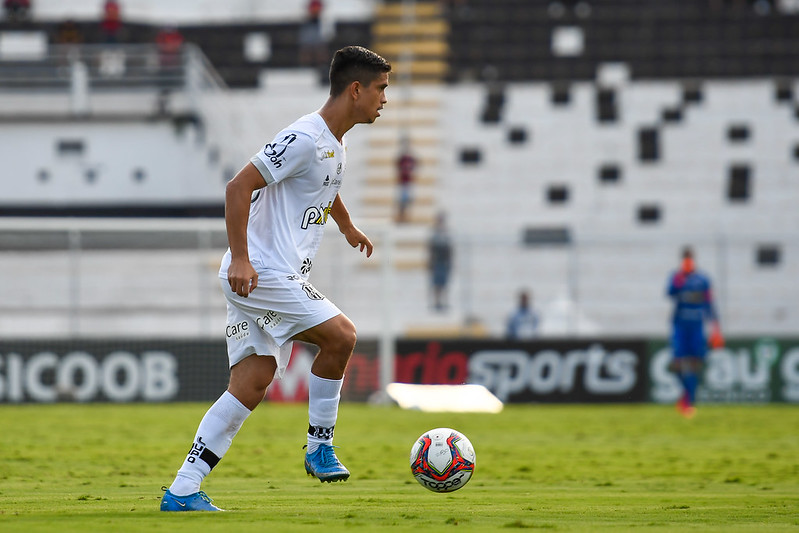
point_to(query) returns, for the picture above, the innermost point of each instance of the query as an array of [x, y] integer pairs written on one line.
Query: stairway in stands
[[412, 35]]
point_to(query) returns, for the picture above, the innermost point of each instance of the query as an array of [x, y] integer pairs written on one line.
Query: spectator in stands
[[69, 36], [17, 10], [406, 165], [68, 33], [693, 307], [111, 22], [313, 46], [170, 43], [523, 322], [440, 262]]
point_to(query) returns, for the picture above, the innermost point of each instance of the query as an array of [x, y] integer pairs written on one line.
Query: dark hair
[[355, 63]]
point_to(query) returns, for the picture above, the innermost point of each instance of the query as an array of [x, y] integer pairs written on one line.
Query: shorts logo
[[311, 292], [269, 320], [238, 331]]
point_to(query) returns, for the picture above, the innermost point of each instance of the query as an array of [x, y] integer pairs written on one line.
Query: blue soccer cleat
[[324, 465], [199, 501]]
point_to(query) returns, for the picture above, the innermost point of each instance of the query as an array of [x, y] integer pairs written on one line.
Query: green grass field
[[88, 468]]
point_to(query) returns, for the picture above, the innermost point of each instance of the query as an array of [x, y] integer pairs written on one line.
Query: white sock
[[214, 436], [323, 398]]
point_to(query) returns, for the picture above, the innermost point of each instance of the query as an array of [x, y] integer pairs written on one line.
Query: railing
[[158, 278], [83, 70]]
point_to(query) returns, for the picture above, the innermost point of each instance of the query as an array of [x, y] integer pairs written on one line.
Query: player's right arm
[[241, 275], [676, 282]]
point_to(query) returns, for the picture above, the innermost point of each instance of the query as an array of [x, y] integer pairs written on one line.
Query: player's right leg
[[249, 379]]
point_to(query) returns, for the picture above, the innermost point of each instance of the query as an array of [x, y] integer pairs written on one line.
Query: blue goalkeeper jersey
[[693, 298]]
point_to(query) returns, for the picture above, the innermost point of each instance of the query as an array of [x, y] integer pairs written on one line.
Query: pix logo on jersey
[[316, 215]]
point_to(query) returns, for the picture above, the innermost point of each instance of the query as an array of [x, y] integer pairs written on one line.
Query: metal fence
[[158, 278]]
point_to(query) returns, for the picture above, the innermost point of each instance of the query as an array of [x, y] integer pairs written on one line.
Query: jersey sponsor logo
[[327, 182], [237, 331], [270, 320], [274, 152], [339, 168], [693, 297], [328, 154], [307, 264], [316, 215]]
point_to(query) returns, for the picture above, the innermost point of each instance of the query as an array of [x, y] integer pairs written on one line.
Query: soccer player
[[693, 307], [276, 208]]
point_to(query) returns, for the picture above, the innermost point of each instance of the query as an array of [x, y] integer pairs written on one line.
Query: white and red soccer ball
[[442, 460]]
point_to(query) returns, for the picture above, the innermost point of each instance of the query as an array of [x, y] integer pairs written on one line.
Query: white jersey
[[302, 168]]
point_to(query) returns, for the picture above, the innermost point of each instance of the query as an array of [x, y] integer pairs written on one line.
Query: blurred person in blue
[[440, 262], [692, 294], [523, 322], [313, 45]]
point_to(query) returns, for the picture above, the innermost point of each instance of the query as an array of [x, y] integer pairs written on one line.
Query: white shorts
[[281, 306]]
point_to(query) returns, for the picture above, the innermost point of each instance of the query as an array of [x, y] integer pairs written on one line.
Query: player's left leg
[[689, 377], [336, 340], [249, 379], [678, 365], [696, 348]]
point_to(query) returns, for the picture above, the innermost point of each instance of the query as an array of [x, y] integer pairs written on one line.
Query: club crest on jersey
[[316, 215]]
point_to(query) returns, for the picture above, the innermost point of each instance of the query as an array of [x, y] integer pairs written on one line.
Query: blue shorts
[[688, 340]]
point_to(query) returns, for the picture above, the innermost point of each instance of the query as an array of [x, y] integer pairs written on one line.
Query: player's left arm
[[354, 236]]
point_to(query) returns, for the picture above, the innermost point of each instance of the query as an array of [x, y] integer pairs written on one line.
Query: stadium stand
[[658, 39], [575, 146]]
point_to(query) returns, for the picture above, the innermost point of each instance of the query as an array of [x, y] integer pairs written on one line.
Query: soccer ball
[[442, 460]]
